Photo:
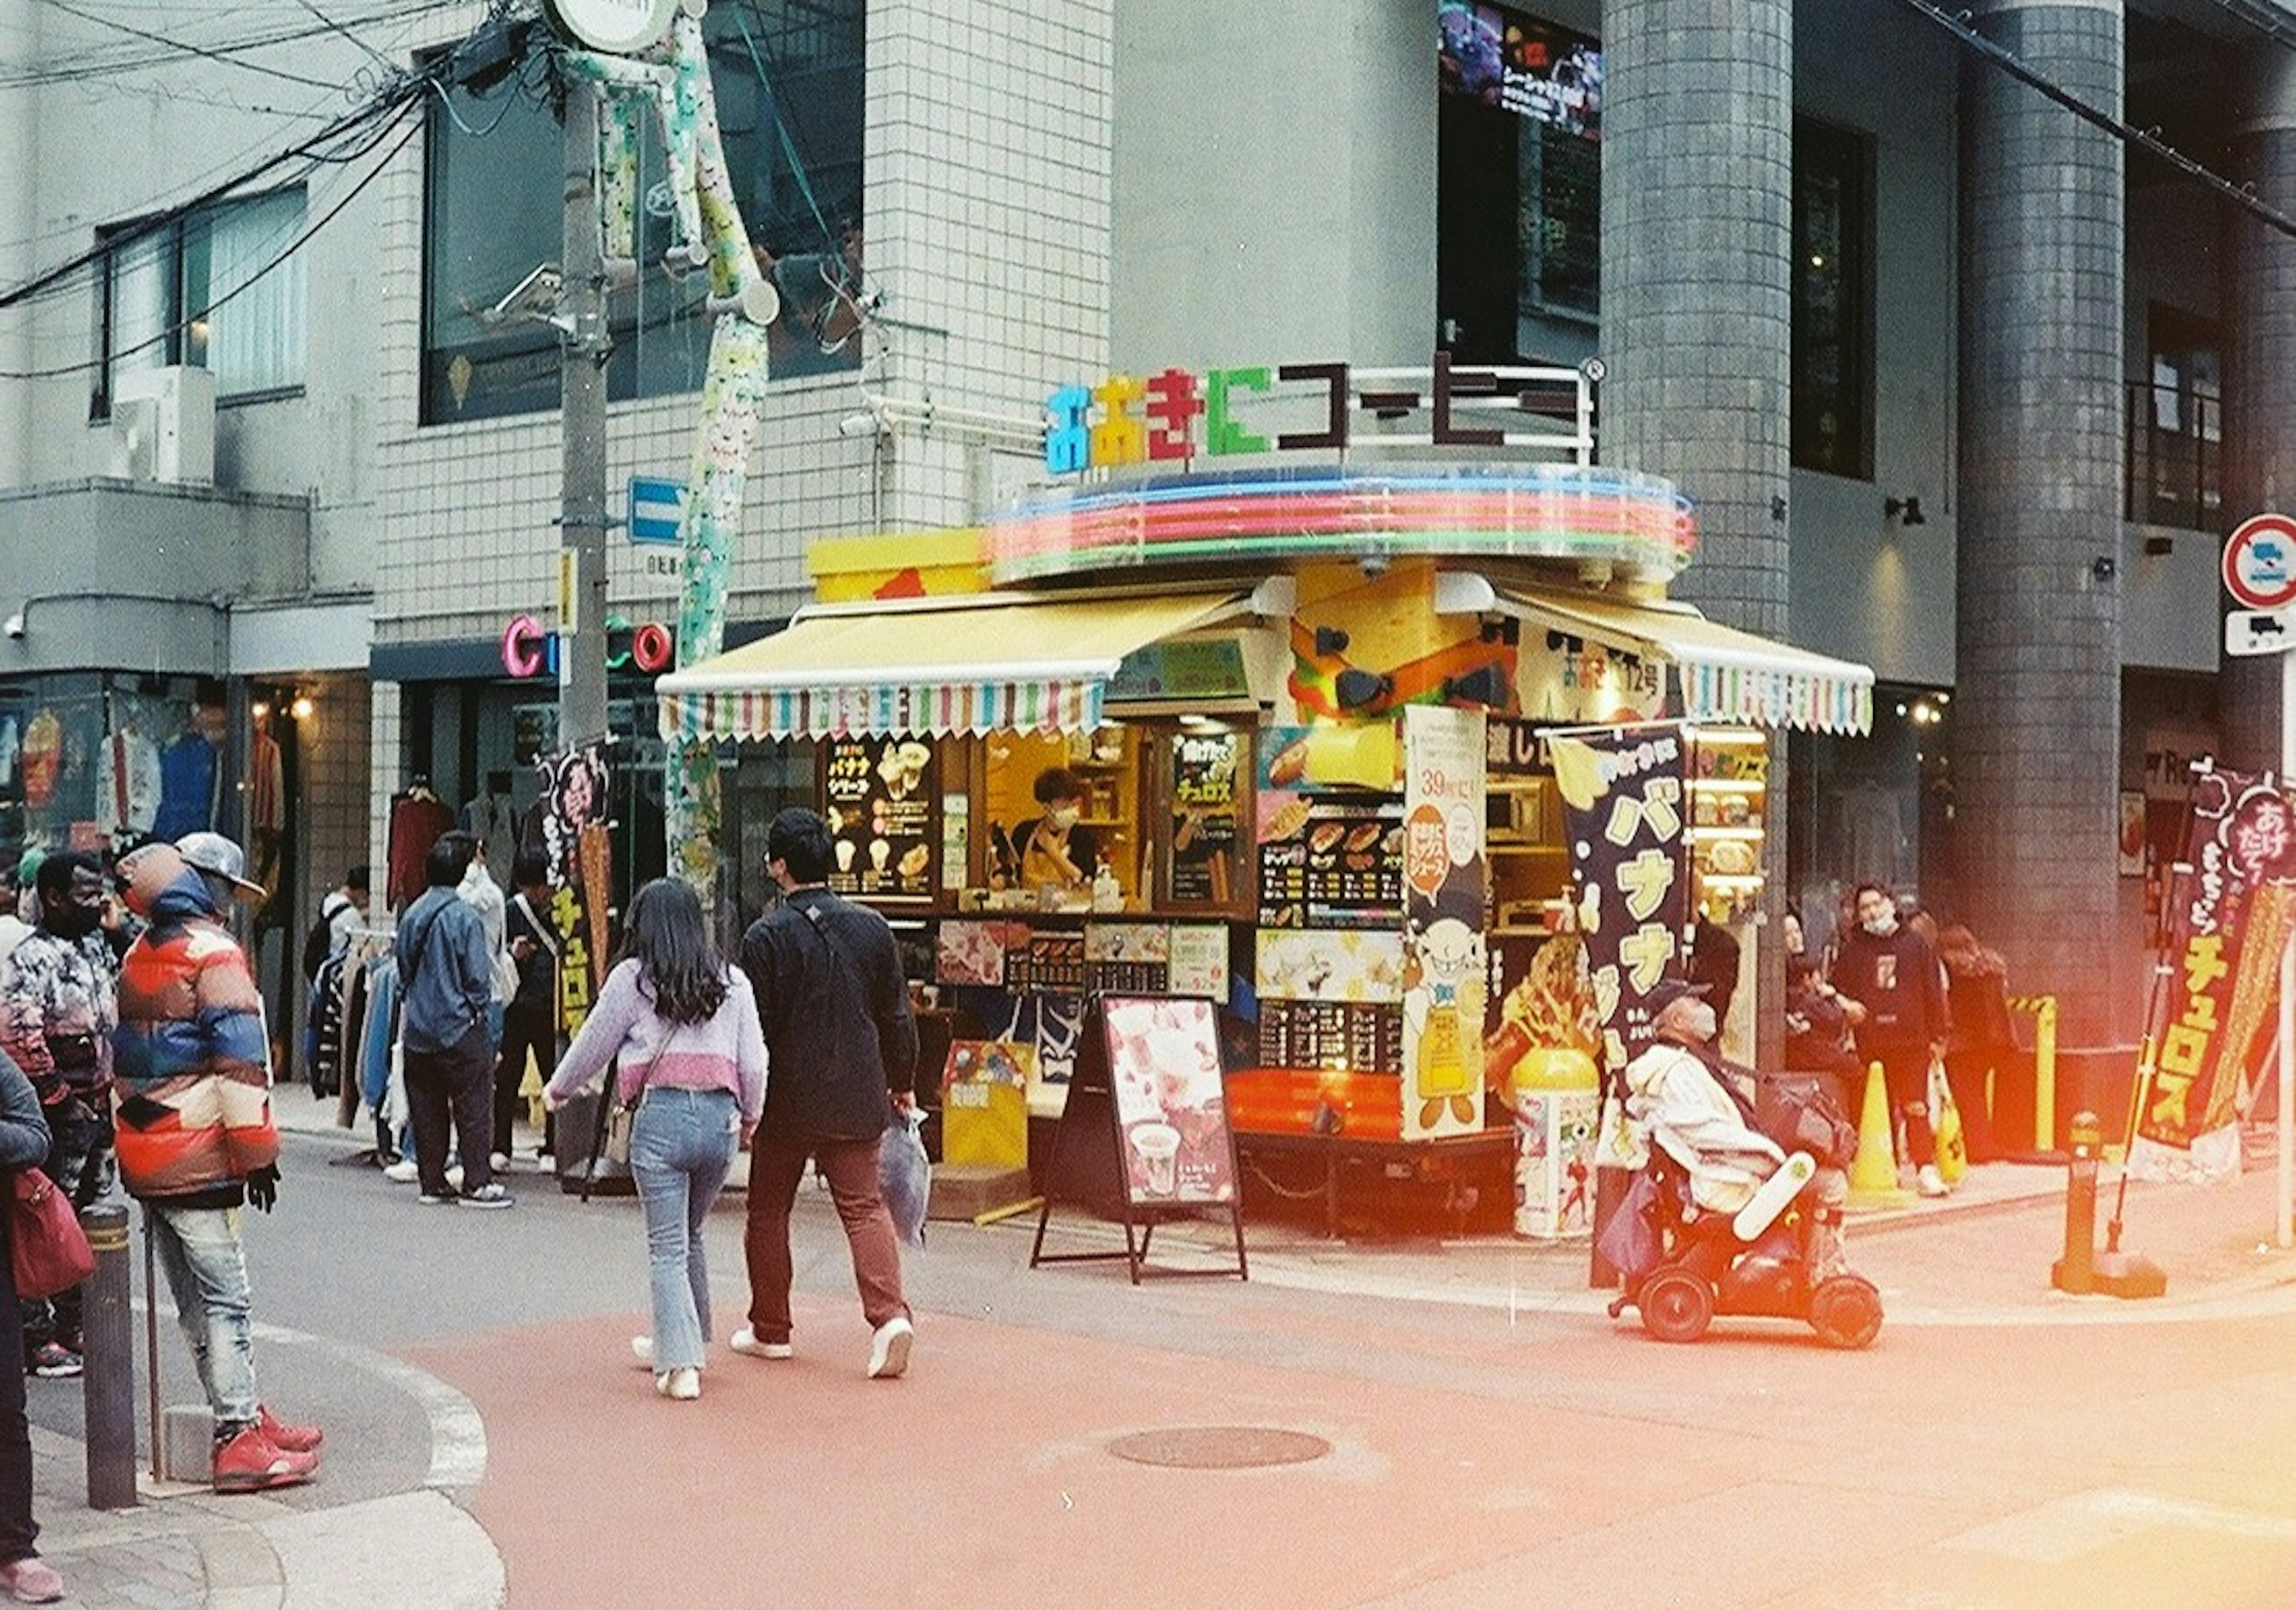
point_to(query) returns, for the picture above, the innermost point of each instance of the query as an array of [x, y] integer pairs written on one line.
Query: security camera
[[14, 625], [864, 424], [1373, 565]]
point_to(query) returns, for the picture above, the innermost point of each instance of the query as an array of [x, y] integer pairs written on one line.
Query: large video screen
[[1535, 69]]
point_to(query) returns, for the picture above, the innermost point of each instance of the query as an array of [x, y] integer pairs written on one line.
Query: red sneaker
[[286, 1438], [250, 1462]]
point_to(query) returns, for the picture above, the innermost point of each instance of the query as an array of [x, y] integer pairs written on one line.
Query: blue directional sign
[[656, 509]]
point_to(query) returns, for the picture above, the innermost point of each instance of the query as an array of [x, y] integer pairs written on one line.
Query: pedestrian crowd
[[135, 1051], [1928, 1006]]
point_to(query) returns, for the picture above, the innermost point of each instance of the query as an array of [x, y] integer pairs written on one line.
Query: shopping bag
[[905, 1177], [1944, 1127], [621, 1116], [1629, 1242], [47, 1249]]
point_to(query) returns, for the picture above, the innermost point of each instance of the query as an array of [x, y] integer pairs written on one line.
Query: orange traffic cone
[[1873, 1174]]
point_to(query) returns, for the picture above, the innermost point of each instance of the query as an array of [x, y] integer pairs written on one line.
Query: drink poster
[[1171, 1105], [1623, 800], [1198, 962], [2231, 917], [1445, 876], [882, 800], [1204, 808]]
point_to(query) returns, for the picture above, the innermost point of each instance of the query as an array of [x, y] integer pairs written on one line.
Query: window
[[1833, 301], [788, 79], [1519, 197], [221, 288], [2176, 425]]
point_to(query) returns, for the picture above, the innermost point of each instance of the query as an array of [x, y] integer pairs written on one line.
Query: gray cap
[[211, 852]]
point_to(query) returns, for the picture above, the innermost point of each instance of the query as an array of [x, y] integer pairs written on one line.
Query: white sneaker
[[500, 1162], [745, 1341], [683, 1383], [889, 1348], [643, 1348], [454, 1175], [402, 1172], [1928, 1182]]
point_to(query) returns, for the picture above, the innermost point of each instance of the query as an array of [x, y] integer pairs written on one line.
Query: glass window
[[787, 76], [1832, 300], [1519, 197], [221, 288]]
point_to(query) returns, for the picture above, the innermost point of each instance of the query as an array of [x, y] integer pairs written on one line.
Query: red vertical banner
[[2230, 916]]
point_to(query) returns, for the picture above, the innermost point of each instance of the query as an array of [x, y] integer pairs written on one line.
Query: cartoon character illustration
[[1443, 1016]]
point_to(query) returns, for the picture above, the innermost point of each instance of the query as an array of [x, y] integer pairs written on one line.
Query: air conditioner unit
[[169, 433]]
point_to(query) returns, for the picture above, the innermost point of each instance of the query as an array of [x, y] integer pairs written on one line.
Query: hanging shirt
[[127, 785], [416, 821], [267, 785], [187, 787]]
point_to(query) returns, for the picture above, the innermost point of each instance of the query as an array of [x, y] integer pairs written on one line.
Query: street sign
[[2259, 631], [656, 509], [2259, 563]]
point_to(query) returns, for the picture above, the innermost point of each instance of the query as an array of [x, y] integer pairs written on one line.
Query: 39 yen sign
[[2259, 563]]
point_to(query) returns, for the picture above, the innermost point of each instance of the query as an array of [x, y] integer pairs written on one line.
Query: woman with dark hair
[[1981, 1040], [684, 1024]]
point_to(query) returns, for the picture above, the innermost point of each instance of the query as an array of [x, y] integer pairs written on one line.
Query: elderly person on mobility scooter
[[1725, 1219]]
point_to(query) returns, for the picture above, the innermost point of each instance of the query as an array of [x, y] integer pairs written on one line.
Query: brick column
[[2259, 326], [1697, 313], [2036, 696]]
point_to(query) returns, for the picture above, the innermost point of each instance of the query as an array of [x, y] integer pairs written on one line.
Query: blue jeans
[[206, 1267], [680, 1148]]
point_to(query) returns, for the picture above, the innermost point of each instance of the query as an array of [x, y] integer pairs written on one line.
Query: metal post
[[151, 1335], [108, 1386], [2044, 1075], [582, 525], [2076, 1271]]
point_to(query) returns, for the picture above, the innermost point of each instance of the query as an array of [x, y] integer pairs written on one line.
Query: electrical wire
[[97, 64], [309, 230], [2143, 139], [223, 58]]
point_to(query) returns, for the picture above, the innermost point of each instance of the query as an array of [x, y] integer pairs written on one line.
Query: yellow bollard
[[1873, 1175]]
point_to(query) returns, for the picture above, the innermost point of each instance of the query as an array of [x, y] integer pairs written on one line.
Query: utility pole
[[582, 519]]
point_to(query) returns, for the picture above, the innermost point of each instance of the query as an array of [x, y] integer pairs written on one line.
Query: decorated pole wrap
[[675, 76]]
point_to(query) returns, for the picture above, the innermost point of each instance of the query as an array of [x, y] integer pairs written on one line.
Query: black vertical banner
[[1625, 808]]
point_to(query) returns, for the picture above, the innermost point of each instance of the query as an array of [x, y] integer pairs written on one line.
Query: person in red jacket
[[192, 1078]]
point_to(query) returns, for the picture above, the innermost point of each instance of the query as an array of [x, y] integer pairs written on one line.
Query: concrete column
[[1697, 313], [2259, 326], [2036, 710]]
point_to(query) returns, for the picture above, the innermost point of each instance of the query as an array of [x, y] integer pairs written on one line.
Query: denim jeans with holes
[[206, 1267], [680, 1148]]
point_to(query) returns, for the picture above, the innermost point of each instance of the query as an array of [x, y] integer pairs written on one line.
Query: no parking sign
[[2259, 563]]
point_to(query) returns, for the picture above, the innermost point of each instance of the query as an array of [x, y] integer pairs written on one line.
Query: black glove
[[263, 1188]]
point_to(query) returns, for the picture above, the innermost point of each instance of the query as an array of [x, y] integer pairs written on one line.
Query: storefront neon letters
[[530, 649]]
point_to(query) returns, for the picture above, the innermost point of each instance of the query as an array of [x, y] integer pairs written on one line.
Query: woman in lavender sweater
[[684, 1024]]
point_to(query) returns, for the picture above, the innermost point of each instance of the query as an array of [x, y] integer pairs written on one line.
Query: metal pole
[[2283, 1232], [582, 523], [107, 1386], [152, 1334]]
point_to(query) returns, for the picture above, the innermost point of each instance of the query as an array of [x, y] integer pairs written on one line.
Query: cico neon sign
[[530, 649]]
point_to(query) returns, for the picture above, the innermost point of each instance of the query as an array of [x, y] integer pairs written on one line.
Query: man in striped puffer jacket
[[192, 1082]]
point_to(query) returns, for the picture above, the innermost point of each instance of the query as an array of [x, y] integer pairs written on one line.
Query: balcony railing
[[2176, 458]]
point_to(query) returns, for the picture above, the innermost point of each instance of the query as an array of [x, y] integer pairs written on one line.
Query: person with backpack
[[343, 909], [530, 1019]]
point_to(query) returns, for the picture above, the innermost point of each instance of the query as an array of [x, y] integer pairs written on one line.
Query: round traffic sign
[[2259, 563]]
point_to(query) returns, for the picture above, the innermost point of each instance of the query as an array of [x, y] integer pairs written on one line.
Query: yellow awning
[[1727, 675], [929, 665]]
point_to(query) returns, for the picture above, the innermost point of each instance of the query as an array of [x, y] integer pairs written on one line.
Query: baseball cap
[[1668, 991], [211, 852]]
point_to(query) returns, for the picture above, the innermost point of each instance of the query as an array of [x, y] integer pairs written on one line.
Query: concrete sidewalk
[[1981, 1257]]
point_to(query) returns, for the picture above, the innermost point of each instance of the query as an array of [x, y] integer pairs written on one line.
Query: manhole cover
[[1219, 1446]]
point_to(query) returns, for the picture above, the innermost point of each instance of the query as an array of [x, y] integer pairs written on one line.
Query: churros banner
[[2228, 922], [1623, 811]]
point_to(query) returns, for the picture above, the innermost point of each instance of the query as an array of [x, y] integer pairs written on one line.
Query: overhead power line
[[2240, 195]]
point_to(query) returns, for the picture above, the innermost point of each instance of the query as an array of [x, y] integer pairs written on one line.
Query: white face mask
[[1062, 820], [1880, 927]]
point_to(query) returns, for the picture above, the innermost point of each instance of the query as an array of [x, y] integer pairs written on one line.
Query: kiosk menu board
[[883, 802]]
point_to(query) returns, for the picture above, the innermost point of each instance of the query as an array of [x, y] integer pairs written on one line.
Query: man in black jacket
[[842, 1052], [1893, 991]]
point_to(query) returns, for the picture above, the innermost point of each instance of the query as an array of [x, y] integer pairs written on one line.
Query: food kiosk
[[1298, 702]]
